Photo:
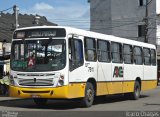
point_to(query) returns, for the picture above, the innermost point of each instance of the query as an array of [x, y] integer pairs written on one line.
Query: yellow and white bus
[[66, 63]]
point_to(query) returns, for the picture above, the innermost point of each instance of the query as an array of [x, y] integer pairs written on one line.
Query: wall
[[100, 11], [122, 17]]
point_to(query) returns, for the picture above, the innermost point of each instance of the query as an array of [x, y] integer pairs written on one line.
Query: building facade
[[124, 18], [158, 43], [158, 29]]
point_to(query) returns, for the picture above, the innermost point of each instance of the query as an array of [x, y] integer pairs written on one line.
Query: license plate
[[35, 96]]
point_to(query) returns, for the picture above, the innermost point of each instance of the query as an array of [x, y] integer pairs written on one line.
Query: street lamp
[[36, 20]]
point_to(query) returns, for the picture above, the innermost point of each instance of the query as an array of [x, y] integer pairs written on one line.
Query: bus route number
[[90, 69]]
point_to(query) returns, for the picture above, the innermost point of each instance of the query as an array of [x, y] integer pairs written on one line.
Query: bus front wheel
[[88, 99], [40, 101], [136, 93], [137, 90]]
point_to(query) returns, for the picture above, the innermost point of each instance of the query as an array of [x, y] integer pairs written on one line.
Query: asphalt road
[[149, 101]]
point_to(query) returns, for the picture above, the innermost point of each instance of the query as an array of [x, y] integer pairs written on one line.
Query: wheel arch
[[93, 81], [138, 79]]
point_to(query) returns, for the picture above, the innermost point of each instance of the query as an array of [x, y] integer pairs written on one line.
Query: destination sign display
[[39, 33], [47, 33]]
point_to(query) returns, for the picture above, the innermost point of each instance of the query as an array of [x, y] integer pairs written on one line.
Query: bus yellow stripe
[[146, 85], [77, 90]]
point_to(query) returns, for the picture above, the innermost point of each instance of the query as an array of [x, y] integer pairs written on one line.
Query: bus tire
[[40, 101], [89, 97], [136, 93]]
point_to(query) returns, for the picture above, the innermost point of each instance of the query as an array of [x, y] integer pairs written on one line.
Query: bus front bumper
[[64, 92]]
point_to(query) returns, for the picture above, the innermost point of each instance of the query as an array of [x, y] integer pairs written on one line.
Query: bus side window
[[116, 52], [127, 54], [138, 55], [75, 53], [90, 49], [103, 51], [147, 56], [153, 57]]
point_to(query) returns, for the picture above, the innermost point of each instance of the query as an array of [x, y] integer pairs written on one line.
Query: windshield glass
[[38, 55]]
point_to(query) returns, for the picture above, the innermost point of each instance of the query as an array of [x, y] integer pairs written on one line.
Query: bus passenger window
[[116, 51], [103, 48], [75, 53], [127, 53], [138, 55], [153, 57], [147, 56], [90, 49]]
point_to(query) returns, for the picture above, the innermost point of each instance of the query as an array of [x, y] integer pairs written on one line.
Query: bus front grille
[[36, 82]]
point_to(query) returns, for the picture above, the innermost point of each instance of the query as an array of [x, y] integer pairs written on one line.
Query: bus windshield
[[38, 55]]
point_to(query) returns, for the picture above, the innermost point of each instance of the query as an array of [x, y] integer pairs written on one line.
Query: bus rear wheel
[[40, 101], [137, 90], [88, 99], [136, 93]]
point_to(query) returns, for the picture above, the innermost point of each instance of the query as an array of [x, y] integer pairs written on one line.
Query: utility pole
[[146, 23], [16, 10]]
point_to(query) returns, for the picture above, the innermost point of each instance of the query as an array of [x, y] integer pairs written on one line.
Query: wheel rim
[[89, 95], [137, 92]]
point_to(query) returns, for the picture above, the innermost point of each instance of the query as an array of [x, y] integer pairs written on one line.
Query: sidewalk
[[5, 98]]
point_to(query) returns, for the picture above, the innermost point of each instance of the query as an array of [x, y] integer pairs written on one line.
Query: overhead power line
[[149, 2], [6, 9], [119, 25]]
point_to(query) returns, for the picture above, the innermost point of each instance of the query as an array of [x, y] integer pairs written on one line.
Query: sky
[[74, 13]]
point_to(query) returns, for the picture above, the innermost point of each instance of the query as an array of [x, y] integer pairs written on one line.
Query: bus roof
[[70, 30]]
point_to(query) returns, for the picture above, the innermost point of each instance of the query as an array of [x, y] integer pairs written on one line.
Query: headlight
[[61, 80], [11, 80]]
